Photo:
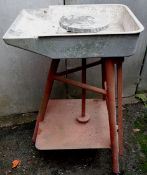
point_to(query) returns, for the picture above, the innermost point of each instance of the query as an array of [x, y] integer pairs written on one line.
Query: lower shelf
[[61, 130]]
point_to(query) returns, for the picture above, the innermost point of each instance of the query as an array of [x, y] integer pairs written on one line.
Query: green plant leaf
[[142, 98]]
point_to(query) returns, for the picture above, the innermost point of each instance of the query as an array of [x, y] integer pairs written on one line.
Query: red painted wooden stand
[[86, 123]]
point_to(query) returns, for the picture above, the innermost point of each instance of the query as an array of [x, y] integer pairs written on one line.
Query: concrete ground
[[15, 143]]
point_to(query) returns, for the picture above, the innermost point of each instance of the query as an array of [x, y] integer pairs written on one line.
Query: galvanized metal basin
[[39, 31]]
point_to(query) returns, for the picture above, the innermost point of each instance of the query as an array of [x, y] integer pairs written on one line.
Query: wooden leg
[[110, 79], [84, 117], [83, 90], [47, 92], [103, 78], [119, 96]]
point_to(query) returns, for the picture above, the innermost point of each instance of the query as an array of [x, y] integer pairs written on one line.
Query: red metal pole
[[83, 90], [119, 96], [47, 92], [110, 79]]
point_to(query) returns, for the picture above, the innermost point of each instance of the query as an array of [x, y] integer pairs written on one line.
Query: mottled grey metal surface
[[118, 40], [22, 74], [79, 47], [132, 66], [47, 21]]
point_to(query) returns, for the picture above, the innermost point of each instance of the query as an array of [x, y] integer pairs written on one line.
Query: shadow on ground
[[15, 143]]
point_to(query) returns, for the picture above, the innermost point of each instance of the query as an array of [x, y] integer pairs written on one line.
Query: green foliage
[[142, 98]]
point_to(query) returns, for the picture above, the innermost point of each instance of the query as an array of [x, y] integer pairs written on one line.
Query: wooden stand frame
[[108, 91]]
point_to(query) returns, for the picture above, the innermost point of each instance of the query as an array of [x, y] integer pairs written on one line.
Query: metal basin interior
[[39, 31], [45, 22]]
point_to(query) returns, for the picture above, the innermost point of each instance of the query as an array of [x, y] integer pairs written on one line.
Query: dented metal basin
[[40, 31]]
